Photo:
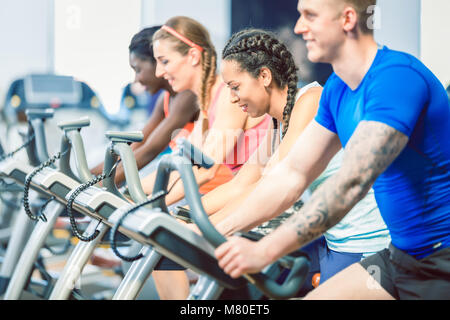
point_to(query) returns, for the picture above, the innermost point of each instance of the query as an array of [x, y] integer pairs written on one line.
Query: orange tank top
[[183, 133]]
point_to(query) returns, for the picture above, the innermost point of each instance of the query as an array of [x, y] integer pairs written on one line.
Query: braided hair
[[254, 49], [198, 34]]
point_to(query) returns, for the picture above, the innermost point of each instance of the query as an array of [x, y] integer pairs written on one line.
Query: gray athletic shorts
[[405, 277]]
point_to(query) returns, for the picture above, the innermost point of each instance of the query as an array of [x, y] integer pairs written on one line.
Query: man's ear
[[349, 19], [194, 56], [265, 75]]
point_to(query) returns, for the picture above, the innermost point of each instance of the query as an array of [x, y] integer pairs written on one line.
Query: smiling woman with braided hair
[[262, 76]]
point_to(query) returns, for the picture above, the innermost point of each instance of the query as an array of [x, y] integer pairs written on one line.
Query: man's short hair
[[365, 11]]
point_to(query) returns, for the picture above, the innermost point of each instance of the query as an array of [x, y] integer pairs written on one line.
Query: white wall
[[92, 37], [399, 25], [419, 27], [435, 40], [26, 39], [91, 43]]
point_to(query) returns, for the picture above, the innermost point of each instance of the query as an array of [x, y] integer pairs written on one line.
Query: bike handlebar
[[270, 287]]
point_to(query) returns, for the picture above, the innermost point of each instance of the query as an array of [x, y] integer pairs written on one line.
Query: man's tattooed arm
[[369, 152]]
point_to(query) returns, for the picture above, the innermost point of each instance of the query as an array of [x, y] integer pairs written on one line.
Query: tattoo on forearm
[[372, 148], [317, 216]]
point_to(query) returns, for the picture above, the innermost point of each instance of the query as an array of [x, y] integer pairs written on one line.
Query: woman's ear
[[265, 75], [194, 56]]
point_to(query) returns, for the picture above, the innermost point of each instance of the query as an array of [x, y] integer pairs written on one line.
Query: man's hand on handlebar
[[240, 256]]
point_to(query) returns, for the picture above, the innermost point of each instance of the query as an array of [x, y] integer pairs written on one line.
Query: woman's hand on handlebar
[[240, 256]]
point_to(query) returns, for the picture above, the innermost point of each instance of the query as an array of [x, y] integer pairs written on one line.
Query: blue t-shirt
[[413, 194]]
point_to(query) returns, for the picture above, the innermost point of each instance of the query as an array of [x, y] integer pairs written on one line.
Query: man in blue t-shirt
[[392, 117]]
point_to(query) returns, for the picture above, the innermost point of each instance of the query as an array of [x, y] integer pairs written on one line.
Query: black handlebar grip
[[196, 156]]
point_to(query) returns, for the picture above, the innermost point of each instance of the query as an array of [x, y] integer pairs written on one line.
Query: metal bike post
[[137, 275], [77, 260], [31, 251], [19, 236]]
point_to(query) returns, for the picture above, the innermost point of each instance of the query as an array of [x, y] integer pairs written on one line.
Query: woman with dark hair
[[263, 78], [173, 111]]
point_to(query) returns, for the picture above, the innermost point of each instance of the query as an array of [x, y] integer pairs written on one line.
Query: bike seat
[[39, 113], [74, 124], [131, 136]]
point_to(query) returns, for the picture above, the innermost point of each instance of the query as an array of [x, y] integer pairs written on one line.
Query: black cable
[[70, 201], [72, 197], [41, 210], [26, 186], [133, 208], [119, 223], [9, 155]]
